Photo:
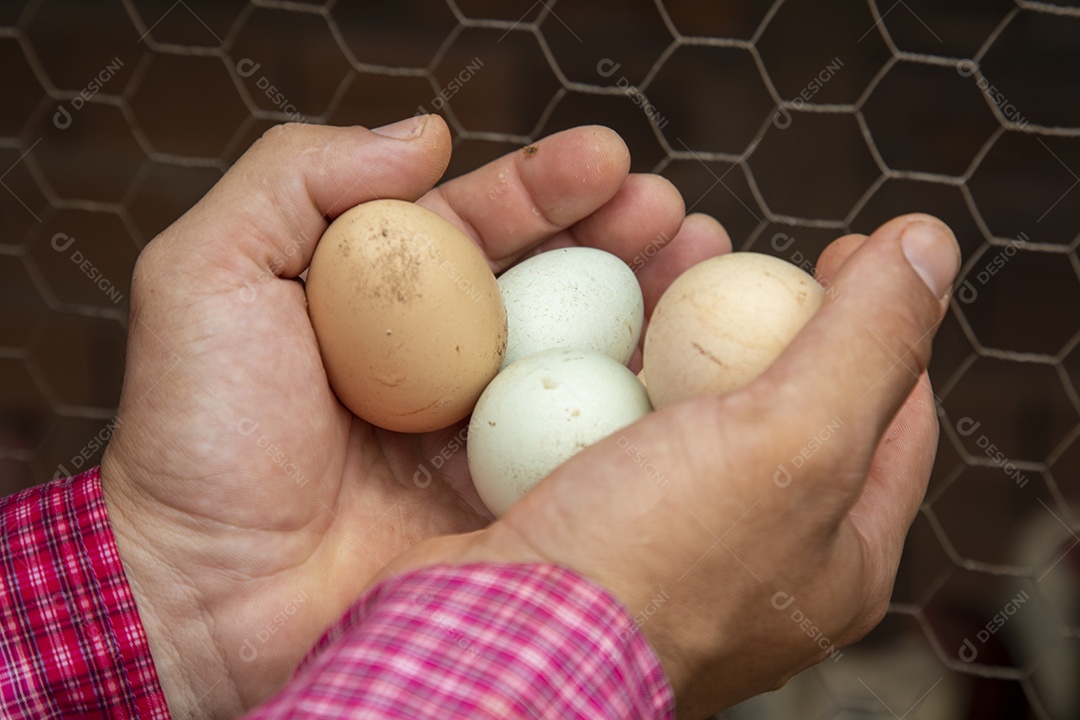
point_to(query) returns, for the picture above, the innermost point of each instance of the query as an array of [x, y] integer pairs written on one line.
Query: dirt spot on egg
[[400, 270], [706, 353]]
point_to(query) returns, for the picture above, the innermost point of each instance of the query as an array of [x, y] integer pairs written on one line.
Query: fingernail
[[932, 255], [406, 129]]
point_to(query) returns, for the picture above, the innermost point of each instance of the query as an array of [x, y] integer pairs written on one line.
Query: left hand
[[250, 507], [751, 534]]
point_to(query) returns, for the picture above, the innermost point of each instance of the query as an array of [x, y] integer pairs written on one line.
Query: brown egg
[[408, 315]]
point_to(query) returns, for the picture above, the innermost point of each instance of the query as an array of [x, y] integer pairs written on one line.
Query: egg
[[723, 322], [542, 410], [576, 298], [407, 314]]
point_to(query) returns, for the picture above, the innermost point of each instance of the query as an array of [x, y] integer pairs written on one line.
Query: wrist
[[502, 543], [685, 651]]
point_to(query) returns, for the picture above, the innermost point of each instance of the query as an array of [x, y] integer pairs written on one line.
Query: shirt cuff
[[73, 644], [480, 641]]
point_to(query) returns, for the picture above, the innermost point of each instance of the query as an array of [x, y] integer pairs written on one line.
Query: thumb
[[855, 363], [266, 214]]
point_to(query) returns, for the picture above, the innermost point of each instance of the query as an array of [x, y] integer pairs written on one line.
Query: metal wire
[[674, 150]]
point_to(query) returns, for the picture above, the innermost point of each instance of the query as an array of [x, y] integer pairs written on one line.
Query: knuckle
[[780, 682], [870, 616], [876, 611], [142, 282], [806, 441], [145, 265], [281, 136]]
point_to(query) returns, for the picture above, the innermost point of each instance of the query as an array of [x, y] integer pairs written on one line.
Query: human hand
[[250, 507], [716, 519]]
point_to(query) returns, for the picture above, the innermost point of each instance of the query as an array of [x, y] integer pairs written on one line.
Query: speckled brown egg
[[408, 316]]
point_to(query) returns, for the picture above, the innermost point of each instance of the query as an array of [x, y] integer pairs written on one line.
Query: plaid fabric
[[480, 641], [72, 643]]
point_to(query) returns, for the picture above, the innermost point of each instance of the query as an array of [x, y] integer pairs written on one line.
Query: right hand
[[710, 545]]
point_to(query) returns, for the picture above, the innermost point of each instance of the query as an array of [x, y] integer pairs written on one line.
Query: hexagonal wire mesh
[[791, 121]]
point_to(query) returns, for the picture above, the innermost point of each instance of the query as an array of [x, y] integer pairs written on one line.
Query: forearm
[[480, 641], [73, 644]]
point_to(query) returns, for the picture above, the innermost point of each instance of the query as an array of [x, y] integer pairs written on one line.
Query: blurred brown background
[[792, 122]]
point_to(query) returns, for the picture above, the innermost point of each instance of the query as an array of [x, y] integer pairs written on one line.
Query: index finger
[[571, 188]]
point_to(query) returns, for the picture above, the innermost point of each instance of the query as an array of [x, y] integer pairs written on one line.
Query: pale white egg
[[576, 298], [539, 412]]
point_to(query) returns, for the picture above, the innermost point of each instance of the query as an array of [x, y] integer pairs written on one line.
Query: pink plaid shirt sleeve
[[480, 641], [72, 644], [476, 641]]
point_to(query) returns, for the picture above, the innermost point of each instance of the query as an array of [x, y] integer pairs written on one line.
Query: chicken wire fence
[[791, 121]]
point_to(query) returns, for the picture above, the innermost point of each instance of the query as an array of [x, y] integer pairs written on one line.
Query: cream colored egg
[[723, 322], [408, 316]]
